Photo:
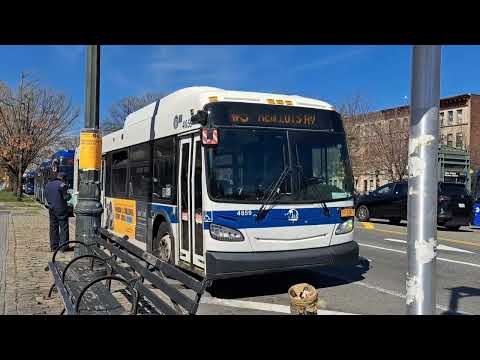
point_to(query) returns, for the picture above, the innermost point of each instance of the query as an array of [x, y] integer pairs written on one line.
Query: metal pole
[[423, 181], [89, 208]]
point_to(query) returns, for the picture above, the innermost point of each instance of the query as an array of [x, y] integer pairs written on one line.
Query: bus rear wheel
[[164, 244]]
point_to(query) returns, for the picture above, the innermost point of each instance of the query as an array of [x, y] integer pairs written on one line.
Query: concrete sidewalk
[[25, 282]]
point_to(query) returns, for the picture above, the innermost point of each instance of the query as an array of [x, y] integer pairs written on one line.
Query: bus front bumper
[[227, 264]]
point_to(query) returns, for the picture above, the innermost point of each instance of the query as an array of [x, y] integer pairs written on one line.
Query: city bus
[[231, 183], [40, 180], [29, 182], [60, 161]]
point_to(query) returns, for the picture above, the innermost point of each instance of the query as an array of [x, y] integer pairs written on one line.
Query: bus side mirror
[[199, 118]]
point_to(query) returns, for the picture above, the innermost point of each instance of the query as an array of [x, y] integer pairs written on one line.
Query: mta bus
[[230, 183], [60, 161], [29, 182], [41, 179]]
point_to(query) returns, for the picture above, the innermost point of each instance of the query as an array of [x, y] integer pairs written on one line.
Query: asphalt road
[[375, 286]]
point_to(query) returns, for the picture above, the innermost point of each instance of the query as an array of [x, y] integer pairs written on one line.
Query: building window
[[364, 185], [371, 184], [459, 141], [459, 116], [442, 118], [356, 183], [450, 140], [442, 139], [450, 117]]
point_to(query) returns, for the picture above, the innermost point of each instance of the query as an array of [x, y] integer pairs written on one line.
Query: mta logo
[[292, 215]]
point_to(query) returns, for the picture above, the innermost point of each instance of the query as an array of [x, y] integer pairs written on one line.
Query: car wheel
[[453, 228], [363, 214], [164, 244], [395, 221]]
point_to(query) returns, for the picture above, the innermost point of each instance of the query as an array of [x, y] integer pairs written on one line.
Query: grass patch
[[8, 196]]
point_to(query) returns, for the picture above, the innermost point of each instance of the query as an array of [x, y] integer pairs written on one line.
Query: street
[[376, 285]]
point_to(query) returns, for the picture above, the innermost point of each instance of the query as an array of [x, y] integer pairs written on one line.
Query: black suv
[[390, 202]]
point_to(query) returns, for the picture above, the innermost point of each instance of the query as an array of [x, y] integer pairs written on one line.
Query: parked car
[[389, 202]]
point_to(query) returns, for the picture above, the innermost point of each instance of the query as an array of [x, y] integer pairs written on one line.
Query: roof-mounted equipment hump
[[200, 118]]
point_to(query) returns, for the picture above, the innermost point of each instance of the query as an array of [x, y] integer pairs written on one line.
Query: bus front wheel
[[163, 244]]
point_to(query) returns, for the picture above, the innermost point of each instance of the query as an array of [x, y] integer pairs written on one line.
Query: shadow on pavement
[[457, 231], [386, 222], [404, 225], [456, 294], [280, 282]]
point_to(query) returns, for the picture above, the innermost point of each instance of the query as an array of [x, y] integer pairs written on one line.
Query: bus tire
[[164, 244]]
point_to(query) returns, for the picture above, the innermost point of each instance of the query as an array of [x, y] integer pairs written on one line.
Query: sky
[[380, 74]]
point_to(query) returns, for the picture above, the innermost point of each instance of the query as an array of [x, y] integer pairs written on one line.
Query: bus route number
[[244, 212]]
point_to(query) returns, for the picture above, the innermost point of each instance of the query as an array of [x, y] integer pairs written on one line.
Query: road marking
[[368, 225], [382, 248], [439, 238], [438, 258], [252, 305], [385, 291], [439, 247]]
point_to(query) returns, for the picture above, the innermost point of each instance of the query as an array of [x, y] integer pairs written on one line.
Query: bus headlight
[[344, 227], [223, 233]]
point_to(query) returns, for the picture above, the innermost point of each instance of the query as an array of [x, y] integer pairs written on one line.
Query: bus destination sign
[[261, 115], [279, 119]]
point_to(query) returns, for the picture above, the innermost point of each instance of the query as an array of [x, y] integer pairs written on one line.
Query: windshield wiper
[[273, 192], [322, 202]]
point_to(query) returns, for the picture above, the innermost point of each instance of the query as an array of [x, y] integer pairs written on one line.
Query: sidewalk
[[27, 283]]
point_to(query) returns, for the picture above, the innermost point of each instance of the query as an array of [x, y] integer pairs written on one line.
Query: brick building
[[459, 120]]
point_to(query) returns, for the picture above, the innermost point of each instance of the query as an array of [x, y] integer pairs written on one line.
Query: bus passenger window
[[119, 173], [163, 169]]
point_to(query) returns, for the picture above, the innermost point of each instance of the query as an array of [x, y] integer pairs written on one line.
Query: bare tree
[[121, 109], [377, 142], [387, 147], [355, 114], [31, 119]]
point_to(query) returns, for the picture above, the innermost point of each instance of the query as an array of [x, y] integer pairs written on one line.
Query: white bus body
[[188, 203]]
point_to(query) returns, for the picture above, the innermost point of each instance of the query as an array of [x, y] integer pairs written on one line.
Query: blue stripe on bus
[[274, 218], [170, 210]]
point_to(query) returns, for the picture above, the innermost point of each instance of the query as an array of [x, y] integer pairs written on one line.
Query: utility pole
[[89, 208], [423, 181]]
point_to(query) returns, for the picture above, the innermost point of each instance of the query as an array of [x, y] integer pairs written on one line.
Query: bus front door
[[190, 224]]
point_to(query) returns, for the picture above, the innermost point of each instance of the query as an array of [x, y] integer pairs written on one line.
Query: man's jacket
[[57, 195]]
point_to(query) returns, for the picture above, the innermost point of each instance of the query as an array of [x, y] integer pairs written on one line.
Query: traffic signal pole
[[89, 208], [423, 181]]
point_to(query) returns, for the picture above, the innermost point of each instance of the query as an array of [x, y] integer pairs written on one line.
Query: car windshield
[[246, 162], [453, 189]]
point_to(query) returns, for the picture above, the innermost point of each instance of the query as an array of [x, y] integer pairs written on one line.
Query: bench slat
[[160, 283], [97, 298], [57, 278], [167, 269]]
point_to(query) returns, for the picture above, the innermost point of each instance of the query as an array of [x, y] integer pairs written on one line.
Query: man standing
[[57, 196]]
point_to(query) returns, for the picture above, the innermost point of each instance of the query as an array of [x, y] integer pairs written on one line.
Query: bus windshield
[[246, 162]]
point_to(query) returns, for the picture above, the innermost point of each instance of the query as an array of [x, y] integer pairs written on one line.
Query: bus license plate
[[347, 212], [461, 205]]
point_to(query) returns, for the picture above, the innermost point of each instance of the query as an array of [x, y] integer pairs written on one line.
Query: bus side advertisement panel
[[124, 217]]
